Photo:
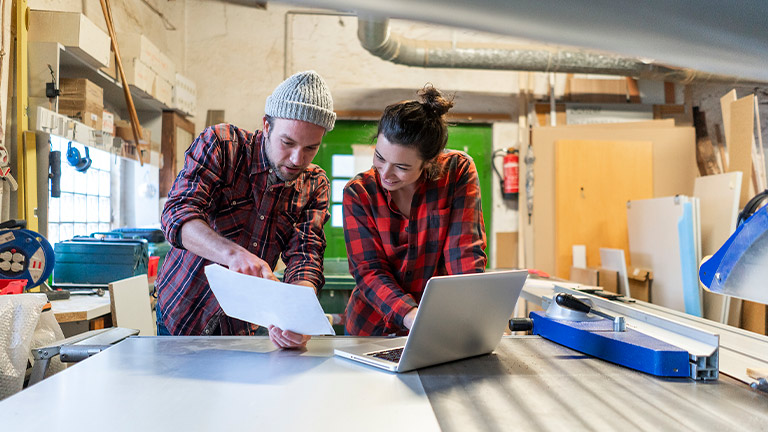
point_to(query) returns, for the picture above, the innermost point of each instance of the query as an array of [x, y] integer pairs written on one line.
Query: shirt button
[[408, 273], [234, 203], [261, 217], [270, 170], [255, 244]]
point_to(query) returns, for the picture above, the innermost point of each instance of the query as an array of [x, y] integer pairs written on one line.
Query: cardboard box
[[139, 47], [640, 281], [123, 130], [90, 118], [81, 88], [608, 280], [83, 100], [184, 95], [585, 276], [111, 68], [73, 30], [108, 123], [163, 91], [139, 75]]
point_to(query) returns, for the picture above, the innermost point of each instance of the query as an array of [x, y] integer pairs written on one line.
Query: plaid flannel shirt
[[392, 256], [227, 182]]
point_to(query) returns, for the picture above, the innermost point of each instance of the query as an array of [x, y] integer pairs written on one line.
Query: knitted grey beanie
[[303, 96]]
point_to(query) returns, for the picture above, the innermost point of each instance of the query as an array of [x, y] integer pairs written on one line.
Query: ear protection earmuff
[[81, 164]]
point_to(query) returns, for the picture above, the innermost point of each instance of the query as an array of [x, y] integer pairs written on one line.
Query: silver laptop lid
[[461, 316]]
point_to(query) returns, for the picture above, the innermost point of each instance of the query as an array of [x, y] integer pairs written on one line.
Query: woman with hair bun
[[415, 214]]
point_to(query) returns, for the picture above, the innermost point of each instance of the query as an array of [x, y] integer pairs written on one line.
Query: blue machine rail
[[629, 348]]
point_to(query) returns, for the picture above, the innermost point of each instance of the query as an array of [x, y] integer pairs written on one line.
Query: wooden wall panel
[[674, 170], [594, 181]]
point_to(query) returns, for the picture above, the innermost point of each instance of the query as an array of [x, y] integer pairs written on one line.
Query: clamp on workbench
[[76, 348]]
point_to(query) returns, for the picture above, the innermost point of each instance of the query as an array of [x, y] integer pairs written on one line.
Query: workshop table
[[243, 383], [82, 312]]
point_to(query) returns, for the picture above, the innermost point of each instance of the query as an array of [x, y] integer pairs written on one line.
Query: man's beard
[[275, 168], [280, 175]]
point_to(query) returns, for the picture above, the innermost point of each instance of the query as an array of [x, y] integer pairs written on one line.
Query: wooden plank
[[674, 170], [760, 157], [506, 250], [80, 308], [725, 107], [669, 93], [705, 151], [663, 123], [633, 91], [742, 114], [677, 113], [543, 114], [754, 317], [590, 210], [596, 90]]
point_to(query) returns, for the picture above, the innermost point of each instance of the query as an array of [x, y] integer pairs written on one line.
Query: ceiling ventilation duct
[[376, 37]]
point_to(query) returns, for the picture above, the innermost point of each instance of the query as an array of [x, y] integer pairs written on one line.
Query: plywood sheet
[[741, 142], [130, 305], [725, 107], [506, 250], [674, 170], [719, 200], [594, 181], [659, 123], [754, 317]]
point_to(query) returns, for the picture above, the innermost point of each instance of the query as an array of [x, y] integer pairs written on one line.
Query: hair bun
[[433, 101]]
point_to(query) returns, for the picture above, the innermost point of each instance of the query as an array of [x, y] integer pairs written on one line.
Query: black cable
[[752, 206]]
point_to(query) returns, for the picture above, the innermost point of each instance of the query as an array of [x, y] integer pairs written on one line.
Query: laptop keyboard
[[392, 355]]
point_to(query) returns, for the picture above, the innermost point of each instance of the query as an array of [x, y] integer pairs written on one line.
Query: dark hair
[[271, 122], [419, 125]]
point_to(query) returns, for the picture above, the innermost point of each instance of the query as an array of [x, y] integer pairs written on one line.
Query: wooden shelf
[[72, 66]]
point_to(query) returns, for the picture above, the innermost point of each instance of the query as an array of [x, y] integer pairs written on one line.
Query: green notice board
[[475, 140]]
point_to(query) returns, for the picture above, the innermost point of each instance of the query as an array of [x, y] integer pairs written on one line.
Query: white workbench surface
[[243, 383]]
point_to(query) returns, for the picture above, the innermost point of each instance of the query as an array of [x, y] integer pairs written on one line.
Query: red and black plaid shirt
[[392, 256], [227, 182]]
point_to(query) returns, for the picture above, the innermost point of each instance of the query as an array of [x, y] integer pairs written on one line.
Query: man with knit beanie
[[243, 199]]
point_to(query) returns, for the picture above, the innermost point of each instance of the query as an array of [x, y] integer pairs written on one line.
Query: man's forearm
[[200, 239]]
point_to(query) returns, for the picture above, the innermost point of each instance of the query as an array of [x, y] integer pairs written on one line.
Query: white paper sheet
[[265, 302]]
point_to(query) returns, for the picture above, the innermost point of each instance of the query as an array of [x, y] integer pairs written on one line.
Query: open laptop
[[459, 316]]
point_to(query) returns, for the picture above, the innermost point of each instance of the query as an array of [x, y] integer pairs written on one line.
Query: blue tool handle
[[568, 301]]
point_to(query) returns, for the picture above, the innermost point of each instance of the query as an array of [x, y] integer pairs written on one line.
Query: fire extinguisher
[[509, 181]]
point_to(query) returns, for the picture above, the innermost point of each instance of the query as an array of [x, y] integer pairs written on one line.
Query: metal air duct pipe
[[376, 37]]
